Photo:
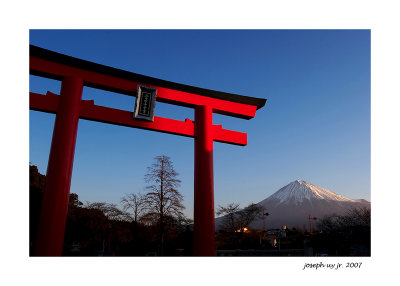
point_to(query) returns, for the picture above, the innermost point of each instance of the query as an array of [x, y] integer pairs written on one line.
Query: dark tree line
[[146, 224], [153, 223], [345, 235]]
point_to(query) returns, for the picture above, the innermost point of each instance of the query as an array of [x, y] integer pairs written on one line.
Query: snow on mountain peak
[[300, 190]]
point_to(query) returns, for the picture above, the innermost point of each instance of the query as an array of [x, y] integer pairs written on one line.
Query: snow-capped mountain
[[299, 191], [295, 202]]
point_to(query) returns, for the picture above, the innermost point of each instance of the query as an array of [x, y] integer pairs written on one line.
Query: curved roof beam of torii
[[54, 65]]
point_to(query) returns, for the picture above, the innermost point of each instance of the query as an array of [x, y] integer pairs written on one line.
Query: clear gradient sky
[[315, 125]]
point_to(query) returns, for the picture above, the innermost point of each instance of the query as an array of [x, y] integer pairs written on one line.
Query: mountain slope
[[294, 203], [300, 191]]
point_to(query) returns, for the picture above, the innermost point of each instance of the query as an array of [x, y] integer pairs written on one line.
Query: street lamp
[[310, 219], [265, 230]]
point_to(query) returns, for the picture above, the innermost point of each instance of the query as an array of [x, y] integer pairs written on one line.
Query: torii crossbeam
[[69, 108]]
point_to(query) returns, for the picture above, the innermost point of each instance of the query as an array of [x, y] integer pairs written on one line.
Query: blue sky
[[315, 125]]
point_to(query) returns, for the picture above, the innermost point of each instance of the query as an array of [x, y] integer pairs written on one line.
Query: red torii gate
[[69, 108]]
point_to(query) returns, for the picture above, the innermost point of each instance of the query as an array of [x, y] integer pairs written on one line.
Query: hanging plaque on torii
[[145, 103], [69, 108]]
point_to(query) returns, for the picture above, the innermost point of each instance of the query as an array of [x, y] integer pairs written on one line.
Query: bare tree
[[230, 216], [163, 199], [135, 204], [249, 214], [236, 219], [111, 211], [355, 218]]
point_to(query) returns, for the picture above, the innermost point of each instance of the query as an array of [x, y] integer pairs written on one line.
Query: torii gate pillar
[[51, 228], [203, 183]]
